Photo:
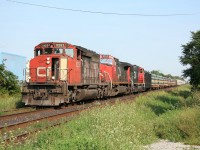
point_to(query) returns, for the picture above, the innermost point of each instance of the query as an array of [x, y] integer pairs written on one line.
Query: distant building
[[14, 63]]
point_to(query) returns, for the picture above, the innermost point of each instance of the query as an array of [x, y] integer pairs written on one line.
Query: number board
[[106, 56], [46, 45], [60, 45]]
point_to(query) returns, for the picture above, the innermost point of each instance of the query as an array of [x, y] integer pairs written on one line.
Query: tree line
[[157, 72]]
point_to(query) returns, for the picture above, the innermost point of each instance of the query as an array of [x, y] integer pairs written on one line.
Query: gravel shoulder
[[167, 145]]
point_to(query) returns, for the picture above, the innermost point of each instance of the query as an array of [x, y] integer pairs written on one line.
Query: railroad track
[[19, 120], [22, 136], [17, 110], [22, 120]]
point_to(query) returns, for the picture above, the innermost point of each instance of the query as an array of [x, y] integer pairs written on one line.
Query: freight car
[[62, 73]]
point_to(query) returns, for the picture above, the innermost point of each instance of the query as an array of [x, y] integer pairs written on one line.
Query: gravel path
[[166, 145]]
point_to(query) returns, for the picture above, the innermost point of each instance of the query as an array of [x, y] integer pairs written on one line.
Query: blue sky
[[151, 42]]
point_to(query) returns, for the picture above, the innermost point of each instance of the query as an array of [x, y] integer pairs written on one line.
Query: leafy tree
[[157, 72], [8, 81], [169, 76], [191, 58]]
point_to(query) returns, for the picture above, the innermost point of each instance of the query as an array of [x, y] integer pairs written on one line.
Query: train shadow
[[19, 104]]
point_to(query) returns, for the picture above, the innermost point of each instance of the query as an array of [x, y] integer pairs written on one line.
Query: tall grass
[[180, 125], [111, 127], [8, 102], [172, 115], [177, 114]]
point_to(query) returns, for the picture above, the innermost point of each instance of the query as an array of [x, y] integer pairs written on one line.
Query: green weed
[[8, 102]]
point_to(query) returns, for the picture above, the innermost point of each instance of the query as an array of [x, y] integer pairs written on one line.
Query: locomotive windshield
[[106, 61], [58, 51], [48, 51]]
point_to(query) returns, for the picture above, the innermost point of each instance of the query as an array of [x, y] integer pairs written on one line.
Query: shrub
[[8, 81], [179, 125]]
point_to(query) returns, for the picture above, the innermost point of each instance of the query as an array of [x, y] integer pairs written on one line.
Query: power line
[[105, 13]]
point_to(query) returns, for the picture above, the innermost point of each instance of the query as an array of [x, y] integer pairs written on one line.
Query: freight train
[[62, 73]]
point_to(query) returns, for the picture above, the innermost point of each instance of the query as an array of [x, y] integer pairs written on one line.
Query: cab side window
[[69, 52], [38, 52]]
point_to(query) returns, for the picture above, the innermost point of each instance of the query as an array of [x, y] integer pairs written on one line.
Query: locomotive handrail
[[131, 81], [101, 75], [109, 78], [47, 74]]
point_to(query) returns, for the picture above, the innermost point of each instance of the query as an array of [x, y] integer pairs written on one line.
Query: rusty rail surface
[[17, 110]]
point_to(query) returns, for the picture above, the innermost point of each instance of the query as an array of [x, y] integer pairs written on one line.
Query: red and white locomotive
[[62, 73]]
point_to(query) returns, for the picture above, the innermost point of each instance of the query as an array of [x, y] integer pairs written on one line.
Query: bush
[[195, 100], [8, 102], [8, 81], [180, 125], [177, 114]]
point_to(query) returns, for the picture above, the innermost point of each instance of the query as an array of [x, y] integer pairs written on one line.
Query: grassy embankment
[[172, 115], [8, 102]]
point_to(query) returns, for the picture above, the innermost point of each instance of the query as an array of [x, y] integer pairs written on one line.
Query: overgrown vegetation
[[177, 114], [8, 102], [172, 115], [9, 90], [8, 81]]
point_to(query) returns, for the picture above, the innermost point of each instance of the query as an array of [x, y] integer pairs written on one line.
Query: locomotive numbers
[[46, 45], [59, 45]]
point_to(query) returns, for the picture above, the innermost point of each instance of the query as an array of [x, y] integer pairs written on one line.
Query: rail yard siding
[[14, 63]]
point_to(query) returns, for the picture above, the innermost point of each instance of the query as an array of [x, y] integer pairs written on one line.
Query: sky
[[153, 42]]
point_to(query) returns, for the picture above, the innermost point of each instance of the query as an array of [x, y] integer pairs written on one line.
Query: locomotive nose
[[40, 69]]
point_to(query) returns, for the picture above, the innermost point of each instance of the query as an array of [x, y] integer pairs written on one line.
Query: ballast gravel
[[167, 145]]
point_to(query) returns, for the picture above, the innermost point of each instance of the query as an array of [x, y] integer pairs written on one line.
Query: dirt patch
[[167, 145]]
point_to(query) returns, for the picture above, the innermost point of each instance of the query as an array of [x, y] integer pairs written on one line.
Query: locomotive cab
[[50, 62], [116, 74], [47, 75], [138, 78], [109, 69]]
